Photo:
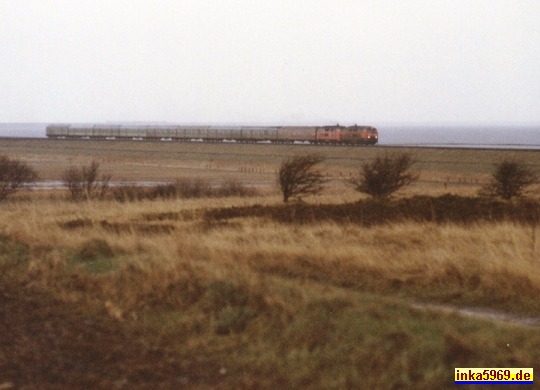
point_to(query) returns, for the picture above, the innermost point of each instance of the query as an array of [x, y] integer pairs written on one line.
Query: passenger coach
[[339, 135]]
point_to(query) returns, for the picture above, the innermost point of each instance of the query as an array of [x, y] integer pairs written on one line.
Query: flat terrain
[[442, 169], [246, 293]]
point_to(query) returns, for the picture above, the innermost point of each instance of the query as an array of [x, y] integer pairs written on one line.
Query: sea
[[518, 136]]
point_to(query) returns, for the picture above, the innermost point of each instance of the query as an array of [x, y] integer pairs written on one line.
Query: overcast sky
[[273, 61]]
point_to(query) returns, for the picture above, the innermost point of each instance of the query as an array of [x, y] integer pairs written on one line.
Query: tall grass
[[492, 264], [323, 305]]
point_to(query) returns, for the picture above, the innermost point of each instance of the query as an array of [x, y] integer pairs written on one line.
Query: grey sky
[[357, 61]]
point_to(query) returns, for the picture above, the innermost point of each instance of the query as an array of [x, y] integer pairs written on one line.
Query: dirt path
[[480, 313]]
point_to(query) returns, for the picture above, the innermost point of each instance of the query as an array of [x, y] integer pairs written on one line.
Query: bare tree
[[14, 175], [297, 177], [510, 179], [384, 175], [85, 183]]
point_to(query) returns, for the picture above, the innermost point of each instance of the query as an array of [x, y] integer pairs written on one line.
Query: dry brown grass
[[174, 298], [260, 304], [491, 264]]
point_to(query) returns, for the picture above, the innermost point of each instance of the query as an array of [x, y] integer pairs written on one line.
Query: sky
[[273, 61]]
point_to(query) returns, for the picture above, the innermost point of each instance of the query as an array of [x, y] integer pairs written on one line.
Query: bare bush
[[14, 175], [297, 177], [385, 175], [72, 179], [85, 182], [510, 179]]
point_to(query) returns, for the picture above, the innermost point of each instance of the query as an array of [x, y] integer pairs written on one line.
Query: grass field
[[164, 294], [441, 170]]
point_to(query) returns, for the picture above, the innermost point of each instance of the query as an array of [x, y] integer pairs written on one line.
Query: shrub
[[384, 176], [297, 177], [510, 179], [85, 183], [14, 175]]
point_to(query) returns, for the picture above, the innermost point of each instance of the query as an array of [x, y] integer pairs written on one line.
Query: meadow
[[243, 292], [441, 169]]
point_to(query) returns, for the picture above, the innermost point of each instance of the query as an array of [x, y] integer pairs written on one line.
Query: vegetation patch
[[94, 249], [12, 252], [76, 224], [171, 216], [279, 296], [118, 227], [233, 319], [182, 189], [442, 209], [232, 305], [313, 325], [150, 228], [94, 255], [162, 216], [145, 228]]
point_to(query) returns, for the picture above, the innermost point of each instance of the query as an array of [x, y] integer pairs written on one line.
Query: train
[[336, 134]]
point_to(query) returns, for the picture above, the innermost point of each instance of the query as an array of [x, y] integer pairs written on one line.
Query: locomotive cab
[[360, 135], [373, 135]]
